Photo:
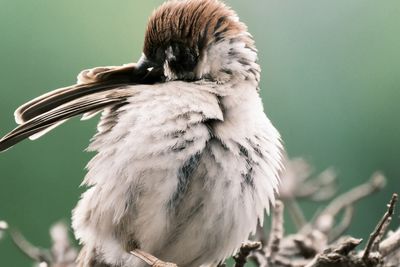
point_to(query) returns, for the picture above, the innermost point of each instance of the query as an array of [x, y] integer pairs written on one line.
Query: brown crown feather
[[196, 23]]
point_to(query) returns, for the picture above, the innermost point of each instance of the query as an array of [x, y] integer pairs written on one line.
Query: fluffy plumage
[[186, 160]]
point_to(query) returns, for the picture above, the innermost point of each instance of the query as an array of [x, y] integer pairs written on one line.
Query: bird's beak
[[144, 65], [149, 70]]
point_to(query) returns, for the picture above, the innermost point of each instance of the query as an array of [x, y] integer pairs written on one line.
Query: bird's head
[[199, 39]]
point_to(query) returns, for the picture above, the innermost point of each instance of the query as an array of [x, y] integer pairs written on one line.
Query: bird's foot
[[150, 259]]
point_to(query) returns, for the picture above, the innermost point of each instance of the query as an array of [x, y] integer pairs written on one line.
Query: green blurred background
[[331, 84]]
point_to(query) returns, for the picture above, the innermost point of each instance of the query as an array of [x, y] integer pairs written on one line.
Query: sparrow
[[186, 160]]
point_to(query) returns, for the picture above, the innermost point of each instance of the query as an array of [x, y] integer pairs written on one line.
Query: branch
[[297, 215], [344, 224], [34, 253], [379, 227], [337, 257], [390, 244], [321, 188], [326, 218], [277, 231], [244, 251]]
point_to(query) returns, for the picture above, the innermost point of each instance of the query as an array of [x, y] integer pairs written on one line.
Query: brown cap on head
[[192, 23]]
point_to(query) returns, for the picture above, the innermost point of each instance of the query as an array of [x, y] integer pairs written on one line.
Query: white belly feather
[[180, 173]]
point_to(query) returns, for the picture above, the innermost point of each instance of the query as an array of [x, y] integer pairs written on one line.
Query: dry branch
[[379, 228], [244, 251], [391, 244], [325, 221], [277, 232], [62, 253], [35, 253]]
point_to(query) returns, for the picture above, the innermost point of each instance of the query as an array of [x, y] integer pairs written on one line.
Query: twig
[[390, 244], [299, 183], [277, 231], [336, 256], [284, 262], [62, 251], [376, 183], [259, 258], [296, 213], [377, 232], [385, 227], [36, 254], [305, 246], [343, 225], [244, 251], [150, 259], [319, 189]]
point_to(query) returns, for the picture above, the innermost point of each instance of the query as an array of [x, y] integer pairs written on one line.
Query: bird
[[186, 161]]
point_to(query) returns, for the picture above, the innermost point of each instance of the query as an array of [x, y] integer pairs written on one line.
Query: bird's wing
[[43, 122], [101, 88], [89, 82], [105, 73]]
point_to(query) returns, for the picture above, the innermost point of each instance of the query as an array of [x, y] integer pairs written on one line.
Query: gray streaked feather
[[185, 174]]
